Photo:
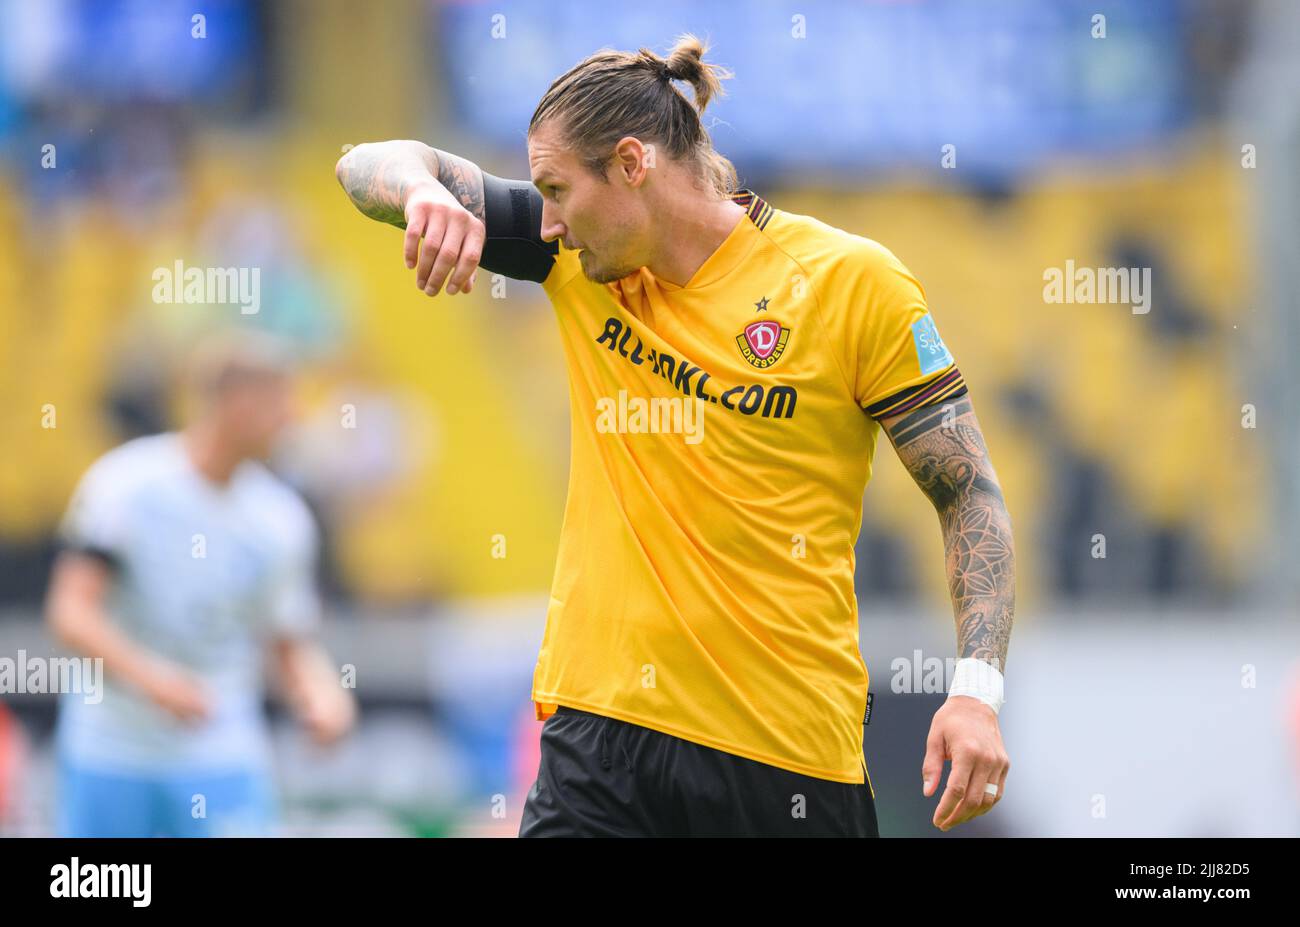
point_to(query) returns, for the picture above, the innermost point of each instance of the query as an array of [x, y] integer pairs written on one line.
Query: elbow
[[59, 621], [344, 165], [341, 167], [63, 611]]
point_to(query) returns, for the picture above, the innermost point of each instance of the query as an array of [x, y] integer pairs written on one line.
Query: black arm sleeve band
[[103, 555], [512, 213]]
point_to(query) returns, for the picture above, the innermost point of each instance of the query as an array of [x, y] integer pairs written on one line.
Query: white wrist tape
[[978, 680]]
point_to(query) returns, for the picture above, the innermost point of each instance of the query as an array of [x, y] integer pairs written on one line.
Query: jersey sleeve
[[512, 215], [900, 362], [293, 606], [97, 521]]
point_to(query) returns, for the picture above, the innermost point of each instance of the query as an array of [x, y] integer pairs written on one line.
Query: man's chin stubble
[[600, 275]]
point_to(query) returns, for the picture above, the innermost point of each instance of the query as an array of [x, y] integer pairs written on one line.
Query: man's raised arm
[[942, 447], [378, 176], [464, 216]]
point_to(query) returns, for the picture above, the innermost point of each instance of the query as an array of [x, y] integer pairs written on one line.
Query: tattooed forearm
[[943, 449], [464, 179], [377, 177]]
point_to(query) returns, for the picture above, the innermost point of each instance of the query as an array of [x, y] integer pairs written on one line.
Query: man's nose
[[552, 227]]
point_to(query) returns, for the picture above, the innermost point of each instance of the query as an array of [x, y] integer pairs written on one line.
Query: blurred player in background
[[185, 562]]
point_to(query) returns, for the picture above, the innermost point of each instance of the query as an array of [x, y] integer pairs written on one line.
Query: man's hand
[[178, 692], [328, 713], [964, 730], [435, 195], [452, 239], [313, 689]]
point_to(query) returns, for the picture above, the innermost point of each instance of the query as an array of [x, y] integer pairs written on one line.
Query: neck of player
[[691, 236], [209, 453]]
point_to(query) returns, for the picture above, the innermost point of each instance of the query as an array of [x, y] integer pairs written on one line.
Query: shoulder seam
[[817, 303]]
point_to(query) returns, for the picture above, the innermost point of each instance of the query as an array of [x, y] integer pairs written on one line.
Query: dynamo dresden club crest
[[763, 343]]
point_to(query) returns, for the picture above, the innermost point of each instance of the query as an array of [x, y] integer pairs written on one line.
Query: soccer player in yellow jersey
[[730, 368]]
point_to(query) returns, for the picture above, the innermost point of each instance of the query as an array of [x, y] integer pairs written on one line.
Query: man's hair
[[233, 356], [613, 94]]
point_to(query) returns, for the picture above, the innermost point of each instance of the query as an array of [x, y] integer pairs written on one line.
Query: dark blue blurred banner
[[868, 86], [105, 51]]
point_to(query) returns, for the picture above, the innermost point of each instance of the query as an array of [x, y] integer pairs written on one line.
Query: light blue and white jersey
[[204, 574]]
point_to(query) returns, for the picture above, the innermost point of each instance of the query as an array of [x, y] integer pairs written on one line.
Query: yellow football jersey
[[722, 436]]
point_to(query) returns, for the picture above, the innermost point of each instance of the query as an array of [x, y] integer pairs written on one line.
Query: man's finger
[[414, 232], [471, 249], [446, 259], [985, 768], [1002, 783], [433, 236], [932, 765], [958, 783], [979, 800]]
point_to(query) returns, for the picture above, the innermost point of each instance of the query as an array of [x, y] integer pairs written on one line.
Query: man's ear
[[633, 159]]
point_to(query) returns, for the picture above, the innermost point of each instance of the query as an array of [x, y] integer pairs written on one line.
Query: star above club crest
[[761, 305]]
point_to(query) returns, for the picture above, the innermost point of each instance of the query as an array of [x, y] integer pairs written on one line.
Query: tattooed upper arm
[[943, 449]]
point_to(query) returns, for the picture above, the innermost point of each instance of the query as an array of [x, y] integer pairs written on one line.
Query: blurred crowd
[[1104, 423]]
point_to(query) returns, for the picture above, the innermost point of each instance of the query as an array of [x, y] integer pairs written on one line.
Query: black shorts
[[601, 777]]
